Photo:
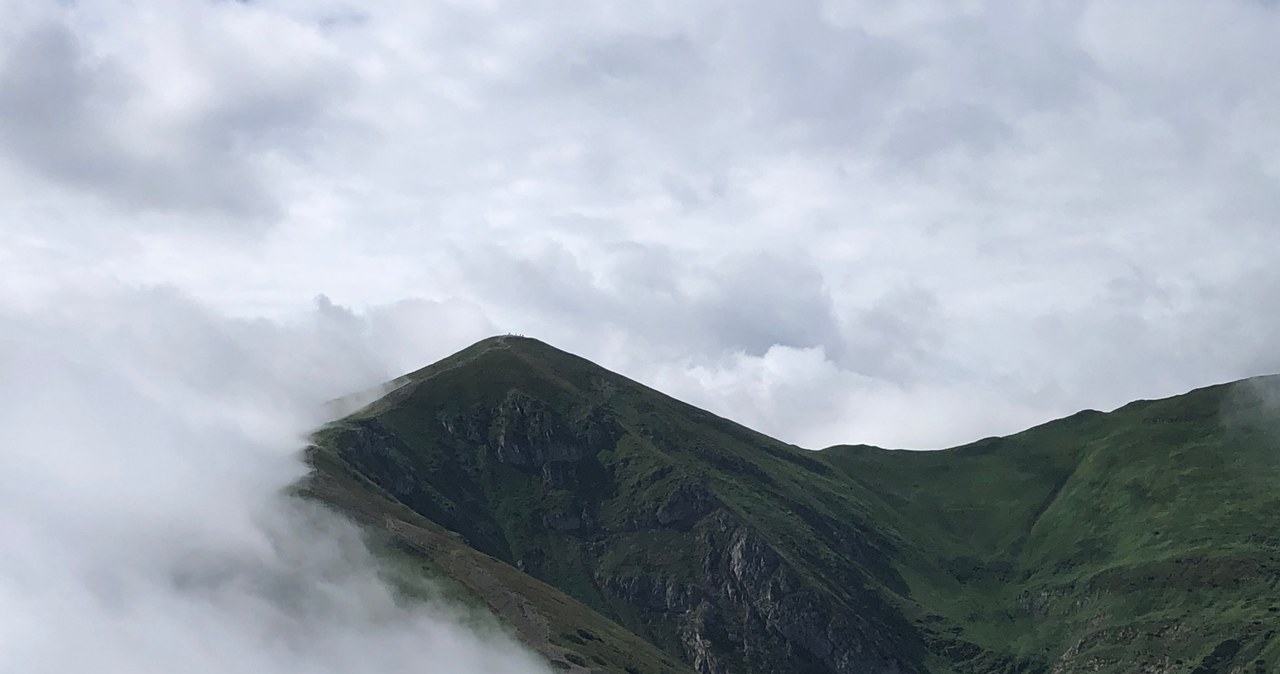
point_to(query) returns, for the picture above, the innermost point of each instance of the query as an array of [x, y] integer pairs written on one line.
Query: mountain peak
[[525, 348], [729, 551], [510, 340]]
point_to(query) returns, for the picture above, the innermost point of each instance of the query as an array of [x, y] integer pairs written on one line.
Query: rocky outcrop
[[786, 613], [652, 593], [573, 517], [751, 611], [687, 503], [526, 434], [382, 457], [734, 602]]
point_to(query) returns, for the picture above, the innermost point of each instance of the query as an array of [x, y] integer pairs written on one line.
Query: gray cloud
[[180, 123], [1040, 208]]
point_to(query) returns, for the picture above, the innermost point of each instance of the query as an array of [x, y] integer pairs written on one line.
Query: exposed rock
[[531, 561], [525, 434], [1036, 604], [747, 608], [687, 503], [651, 592], [381, 456], [702, 652], [562, 521], [749, 601], [560, 475]]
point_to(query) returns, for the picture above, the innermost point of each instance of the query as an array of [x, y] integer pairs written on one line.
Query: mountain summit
[[616, 529]]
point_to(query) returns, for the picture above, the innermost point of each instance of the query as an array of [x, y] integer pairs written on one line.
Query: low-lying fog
[[146, 446]]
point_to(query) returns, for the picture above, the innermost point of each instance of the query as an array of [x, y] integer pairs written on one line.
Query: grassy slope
[[662, 445], [1148, 535], [426, 561]]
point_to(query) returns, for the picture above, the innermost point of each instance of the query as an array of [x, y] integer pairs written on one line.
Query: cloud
[[1040, 207], [802, 395], [147, 444], [168, 109]]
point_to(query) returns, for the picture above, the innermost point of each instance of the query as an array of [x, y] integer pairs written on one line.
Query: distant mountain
[[615, 529]]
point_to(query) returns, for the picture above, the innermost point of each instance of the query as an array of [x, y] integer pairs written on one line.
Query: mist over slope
[[148, 444]]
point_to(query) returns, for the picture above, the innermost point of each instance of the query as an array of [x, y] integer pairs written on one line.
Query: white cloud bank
[[146, 445], [980, 214]]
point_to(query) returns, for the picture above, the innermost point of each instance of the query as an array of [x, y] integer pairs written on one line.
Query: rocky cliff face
[[739, 607], [524, 432], [749, 610]]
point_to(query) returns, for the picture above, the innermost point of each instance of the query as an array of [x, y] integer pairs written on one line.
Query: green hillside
[[616, 529]]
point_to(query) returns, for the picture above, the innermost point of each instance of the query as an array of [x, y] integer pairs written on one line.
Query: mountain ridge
[[729, 551]]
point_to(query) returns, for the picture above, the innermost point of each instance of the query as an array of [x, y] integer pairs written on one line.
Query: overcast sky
[[912, 224]]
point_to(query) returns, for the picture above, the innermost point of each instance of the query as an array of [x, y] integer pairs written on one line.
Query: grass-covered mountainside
[[615, 529]]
